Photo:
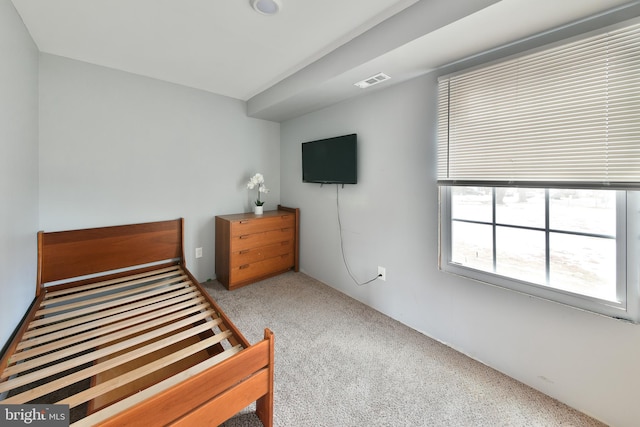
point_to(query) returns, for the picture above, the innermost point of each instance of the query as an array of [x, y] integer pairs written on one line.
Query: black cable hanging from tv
[[344, 258]]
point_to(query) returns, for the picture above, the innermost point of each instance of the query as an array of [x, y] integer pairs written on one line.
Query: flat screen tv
[[331, 160]]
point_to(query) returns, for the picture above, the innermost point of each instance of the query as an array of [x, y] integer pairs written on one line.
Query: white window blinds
[[563, 116]]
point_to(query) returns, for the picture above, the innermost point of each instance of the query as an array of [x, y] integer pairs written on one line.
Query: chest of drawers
[[253, 247]]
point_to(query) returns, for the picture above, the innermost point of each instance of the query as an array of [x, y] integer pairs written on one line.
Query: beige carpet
[[341, 363]]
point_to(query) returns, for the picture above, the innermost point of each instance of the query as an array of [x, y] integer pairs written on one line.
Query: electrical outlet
[[198, 252], [382, 273]]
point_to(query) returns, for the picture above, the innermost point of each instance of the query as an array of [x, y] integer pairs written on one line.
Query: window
[[570, 236], [539, 167]]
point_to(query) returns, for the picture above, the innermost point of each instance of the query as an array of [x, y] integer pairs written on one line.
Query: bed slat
[[135, 374], [136, 330], [107, 313], [184, 299], [155, 316], [59, 295], [174, 281], [95, 369], [124, 297]]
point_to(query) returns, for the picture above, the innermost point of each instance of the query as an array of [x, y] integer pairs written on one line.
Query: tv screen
[[331, 160]]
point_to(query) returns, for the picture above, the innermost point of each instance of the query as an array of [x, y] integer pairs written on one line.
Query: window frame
[[627, 274]]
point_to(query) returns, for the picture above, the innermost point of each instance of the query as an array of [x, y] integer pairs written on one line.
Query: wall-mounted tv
[[331, 160]]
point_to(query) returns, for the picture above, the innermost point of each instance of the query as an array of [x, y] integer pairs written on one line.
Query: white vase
[[258, 209]]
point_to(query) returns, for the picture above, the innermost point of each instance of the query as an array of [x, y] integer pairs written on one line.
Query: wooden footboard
[[157, 348], [205, 398]]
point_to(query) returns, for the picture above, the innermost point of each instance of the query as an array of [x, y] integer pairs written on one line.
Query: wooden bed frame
[[117, 310]]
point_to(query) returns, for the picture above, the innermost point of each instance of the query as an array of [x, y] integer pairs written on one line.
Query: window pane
[[573, 259], [473, 203], [520, 206], [521, 254], [583, 211], [584, 265], [472, 245]]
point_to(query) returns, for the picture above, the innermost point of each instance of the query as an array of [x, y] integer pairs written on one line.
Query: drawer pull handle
[[285, 229], [244, 236], [244, 221], [243, 266], [246, 251]]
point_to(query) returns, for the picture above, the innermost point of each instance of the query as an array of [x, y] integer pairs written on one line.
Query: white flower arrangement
[[258, 181]]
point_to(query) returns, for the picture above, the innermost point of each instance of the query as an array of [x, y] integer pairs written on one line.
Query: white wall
[[390, 218], [118, 148], [18, 168]]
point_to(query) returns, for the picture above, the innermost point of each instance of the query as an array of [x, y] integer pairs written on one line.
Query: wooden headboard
[[68, 254]]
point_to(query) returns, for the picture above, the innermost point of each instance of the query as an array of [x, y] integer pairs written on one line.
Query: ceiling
[[306, 57]]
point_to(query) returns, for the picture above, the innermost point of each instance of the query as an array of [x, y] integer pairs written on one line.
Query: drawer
[[250, 241], [261, 268], [257, 225], [252, 247], [248, 256]]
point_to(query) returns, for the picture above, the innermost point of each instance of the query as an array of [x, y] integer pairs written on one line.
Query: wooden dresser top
[[251, 215]]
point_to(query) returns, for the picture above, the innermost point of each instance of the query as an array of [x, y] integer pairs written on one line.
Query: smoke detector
[[266, 7], [373, 80]]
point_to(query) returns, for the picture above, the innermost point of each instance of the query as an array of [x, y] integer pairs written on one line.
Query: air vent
[[373, 80]]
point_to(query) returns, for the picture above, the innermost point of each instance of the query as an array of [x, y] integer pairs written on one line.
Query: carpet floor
[[340, 363]]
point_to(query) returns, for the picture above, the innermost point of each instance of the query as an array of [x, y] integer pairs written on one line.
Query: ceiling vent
[[373, 80]]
